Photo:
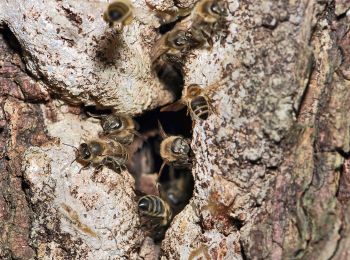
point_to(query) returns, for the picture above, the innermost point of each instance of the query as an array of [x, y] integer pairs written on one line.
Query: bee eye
[[115, 15], [85, 151]]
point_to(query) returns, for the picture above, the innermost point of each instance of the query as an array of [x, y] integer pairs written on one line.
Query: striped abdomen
[[200, 107], [154, 206]]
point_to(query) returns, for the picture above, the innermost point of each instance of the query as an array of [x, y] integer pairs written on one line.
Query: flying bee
[[102, 152], [197, 101], [175, 186], [158, 211], [119, 11], [174, 149], [208, 17]]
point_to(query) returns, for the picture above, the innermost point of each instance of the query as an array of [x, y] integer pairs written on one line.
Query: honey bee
[[175, 190], [208, 17], [119, 127], [176, 187], [197, 101], [119, 12], [174, 149], [102, 152], [156, 208], [174, 44], [210, 11], [170, 15]]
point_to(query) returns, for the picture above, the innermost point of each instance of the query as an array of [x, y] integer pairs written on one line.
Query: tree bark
[[272, 165]]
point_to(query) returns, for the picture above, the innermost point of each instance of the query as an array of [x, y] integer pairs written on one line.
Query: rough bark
[[272, 166]]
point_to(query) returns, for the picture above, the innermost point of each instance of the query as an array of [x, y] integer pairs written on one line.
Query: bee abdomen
[[200, 107], [152, 206]]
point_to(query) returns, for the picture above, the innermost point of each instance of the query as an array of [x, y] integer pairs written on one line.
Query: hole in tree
[[147, 158], [146, 162], [171, 76], [164, 28], [97, 111], [10, 39]]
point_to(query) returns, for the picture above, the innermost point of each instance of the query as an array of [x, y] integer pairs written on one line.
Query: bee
[[175, 186], [197, 101], [174, 43], [158, 211], [119, 12], [119, 127], [175, 190], [208, 17], [210, 11], [102, 152], [174, 149], [170, 15]]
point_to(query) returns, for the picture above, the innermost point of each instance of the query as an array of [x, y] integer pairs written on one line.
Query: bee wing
[[176, 106]]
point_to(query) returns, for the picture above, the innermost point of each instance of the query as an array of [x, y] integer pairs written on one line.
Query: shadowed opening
[[10, 39]]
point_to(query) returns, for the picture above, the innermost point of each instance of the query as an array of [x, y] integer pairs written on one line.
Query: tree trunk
[[272, 164]]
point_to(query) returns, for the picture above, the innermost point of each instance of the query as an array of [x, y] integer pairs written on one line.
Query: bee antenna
[[95, 115], [161, 130], [71, 146], [72, 161]]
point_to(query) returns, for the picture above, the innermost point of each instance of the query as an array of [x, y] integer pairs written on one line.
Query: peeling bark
[[272, 164]]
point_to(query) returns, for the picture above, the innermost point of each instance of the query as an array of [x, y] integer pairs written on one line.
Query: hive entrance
[[175, 186]]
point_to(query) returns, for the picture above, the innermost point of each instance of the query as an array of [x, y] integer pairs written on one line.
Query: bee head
[[193, 90], [84, 151], [218, 8], [180, 39]]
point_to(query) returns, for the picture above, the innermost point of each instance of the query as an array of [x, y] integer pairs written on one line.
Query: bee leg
[[84, 168], [114, 164], [98, 168]]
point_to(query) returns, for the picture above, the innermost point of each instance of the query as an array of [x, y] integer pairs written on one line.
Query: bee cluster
[[193, 28]]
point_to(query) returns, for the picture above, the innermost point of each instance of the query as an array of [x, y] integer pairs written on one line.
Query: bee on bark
[[208, 17], [174, 44], [119, 12], [174, 149], [119, 127], [197, 101], [102, 152], [171, 15], [158, 212], [175, 189]]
